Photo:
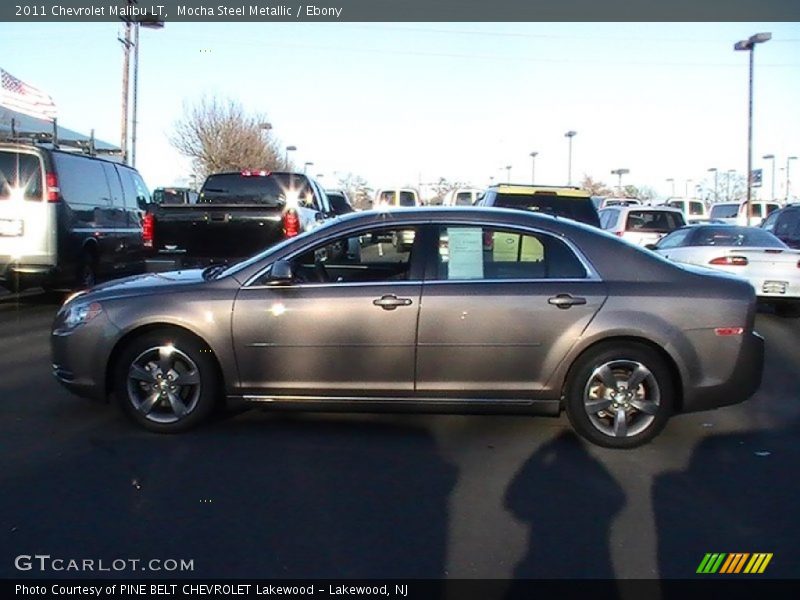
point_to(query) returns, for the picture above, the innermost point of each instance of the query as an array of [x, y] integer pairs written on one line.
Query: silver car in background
[[488, 310]]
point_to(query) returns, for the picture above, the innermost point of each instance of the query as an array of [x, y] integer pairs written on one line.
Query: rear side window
[[485, 253], [789, 225], [82, 180], [136, 192], [20, 176], [609, 218], [724, 211], [575, 208], [655, 221]]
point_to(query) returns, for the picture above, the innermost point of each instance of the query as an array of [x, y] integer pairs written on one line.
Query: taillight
[[731, 261], [254, 173], [148, 230], [52, 190], [291, 223]]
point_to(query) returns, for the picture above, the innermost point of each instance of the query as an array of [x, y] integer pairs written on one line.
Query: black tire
[[621, 425], [149, 390], [790, 310], [86, 275]]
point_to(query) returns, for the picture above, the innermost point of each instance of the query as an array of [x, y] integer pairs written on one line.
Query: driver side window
[[382, 254]]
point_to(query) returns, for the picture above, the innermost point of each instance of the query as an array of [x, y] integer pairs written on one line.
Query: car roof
[[524, 189]]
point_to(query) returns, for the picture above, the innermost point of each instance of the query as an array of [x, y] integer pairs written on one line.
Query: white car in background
[[734, 213], [608, 202], [641, 225], [693, 210], [396, 197], [771, 267]]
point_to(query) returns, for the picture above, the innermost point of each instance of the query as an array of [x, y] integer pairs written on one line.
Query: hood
[[146, 283]]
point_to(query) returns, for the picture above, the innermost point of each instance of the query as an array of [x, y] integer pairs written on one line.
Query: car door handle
[[565, 301], [390, 302]]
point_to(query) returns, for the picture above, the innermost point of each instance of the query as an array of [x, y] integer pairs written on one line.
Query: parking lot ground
[[267, 495]]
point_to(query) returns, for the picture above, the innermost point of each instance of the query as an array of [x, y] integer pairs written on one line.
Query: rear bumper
[[16, 274], [744, 382]]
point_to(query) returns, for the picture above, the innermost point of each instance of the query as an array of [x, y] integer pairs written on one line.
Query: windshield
[[570, 207], [275, 189], [736, 236], [724, 211]]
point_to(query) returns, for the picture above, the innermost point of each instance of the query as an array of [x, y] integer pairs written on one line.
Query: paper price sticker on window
[[506, 248], [465, 252]]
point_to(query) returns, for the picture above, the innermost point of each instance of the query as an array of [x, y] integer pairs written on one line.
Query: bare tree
[[357, 189], [595, 188], [220, 135]]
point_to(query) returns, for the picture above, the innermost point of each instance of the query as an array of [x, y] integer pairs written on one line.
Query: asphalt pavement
[[275, 495]]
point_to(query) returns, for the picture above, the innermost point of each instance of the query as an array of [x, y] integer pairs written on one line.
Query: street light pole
[[533, 167], [569, 135], [714, 170], [686, 188], [749, 45], [508, 175], [788, 181], [286, 156], [619, 173], [305, 167], [126, 69]]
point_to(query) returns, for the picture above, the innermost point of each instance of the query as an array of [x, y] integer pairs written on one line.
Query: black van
[[67, 219]]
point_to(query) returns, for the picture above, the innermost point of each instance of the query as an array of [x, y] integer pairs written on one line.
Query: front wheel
[[166, 382], [619, 395]]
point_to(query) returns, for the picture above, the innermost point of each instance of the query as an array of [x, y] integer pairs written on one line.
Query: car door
[[501, 307], [345, 325]]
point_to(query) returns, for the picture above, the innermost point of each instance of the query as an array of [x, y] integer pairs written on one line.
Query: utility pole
[[126, 62]]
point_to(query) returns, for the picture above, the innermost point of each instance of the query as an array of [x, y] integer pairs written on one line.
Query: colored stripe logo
[[734, 563]]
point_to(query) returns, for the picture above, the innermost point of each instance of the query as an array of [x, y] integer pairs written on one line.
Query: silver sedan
[[486, 310]]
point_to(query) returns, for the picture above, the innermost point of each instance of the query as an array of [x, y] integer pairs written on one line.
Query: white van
[[734, 212], [394, 197], [462, 197], [693, 209]]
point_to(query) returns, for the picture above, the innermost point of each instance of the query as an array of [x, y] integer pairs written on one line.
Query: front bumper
[[80, 356]]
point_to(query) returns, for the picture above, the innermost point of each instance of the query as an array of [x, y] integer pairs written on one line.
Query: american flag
[[21, 97]]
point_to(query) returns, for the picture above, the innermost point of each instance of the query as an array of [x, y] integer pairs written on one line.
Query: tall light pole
[[126, 69], [686, 188], [533, 156], [150, 22], [771, 157], [508, 174], [714, 171], [286, 155], [305, 167], [749, 45], [672, 181], [619, 173], [569, 135]]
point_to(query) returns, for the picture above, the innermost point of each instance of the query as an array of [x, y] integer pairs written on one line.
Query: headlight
[[79, 314]]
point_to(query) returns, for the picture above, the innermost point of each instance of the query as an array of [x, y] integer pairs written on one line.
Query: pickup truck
[[237, 214]]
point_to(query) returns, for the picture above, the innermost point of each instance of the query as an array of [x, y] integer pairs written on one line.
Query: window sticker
[[506, 248], [465, 249]]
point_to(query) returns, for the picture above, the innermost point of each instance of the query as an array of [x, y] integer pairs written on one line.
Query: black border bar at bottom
[[727, 588]]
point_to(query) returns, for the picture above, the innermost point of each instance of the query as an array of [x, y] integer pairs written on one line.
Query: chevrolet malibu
[[486, 310]]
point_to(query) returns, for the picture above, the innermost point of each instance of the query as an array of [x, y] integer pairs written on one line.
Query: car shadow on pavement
[[569, 499], [737, 495], [261, 496]]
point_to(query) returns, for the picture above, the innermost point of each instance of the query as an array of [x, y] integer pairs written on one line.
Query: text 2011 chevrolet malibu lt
[[478, 310]]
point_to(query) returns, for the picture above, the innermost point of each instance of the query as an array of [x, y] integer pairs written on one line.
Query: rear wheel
[[619, 395], [87, 270], [166, 382]]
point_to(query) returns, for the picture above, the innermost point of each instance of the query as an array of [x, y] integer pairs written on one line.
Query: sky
[[404, 103]]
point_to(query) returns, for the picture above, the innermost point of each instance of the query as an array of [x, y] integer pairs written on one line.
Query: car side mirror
[[281, 273], [651, 246]]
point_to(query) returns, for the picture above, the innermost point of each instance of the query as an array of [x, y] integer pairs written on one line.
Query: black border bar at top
[[403, 10]]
